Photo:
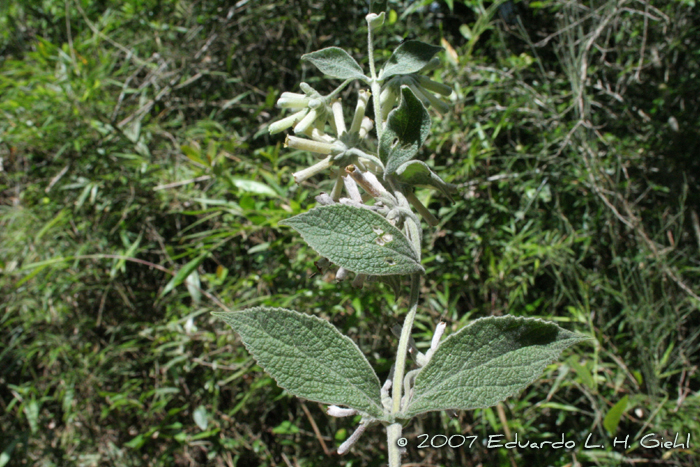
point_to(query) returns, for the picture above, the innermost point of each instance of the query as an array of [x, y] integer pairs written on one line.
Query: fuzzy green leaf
[[486, 362], [409, 57], [406, 130], [356, 239], [335, 62], [417, 173], [308, 357]]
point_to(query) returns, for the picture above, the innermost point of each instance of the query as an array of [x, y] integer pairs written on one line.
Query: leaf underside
[[308, 357], [356, 239], [486, 362]]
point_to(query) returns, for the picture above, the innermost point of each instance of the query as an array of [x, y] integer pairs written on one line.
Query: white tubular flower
[[306, 122], [359, 281], [439, 331], [366, 127], [292, 100], [341, 275], [308, 145], [352, 439], [362, 99], [314, 169], [335, 411], [338, 119], [317, 134], [287, 122], [387, 99]]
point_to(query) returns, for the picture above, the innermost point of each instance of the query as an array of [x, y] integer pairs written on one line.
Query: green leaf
[[335, 62], [357, 239], [406, 130], [409, 57], [193, 154], [417, 173], [486, 362], [308, 357], [612, 419], [183, 273], [251, 186]]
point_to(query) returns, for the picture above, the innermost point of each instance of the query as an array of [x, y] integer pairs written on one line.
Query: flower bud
[[287, 122], [366, 127], [306, 122], [292, 100], [341, 275], [335, 411], [338, 118], [314, 169], [359, 281], [308, 145], [362, 99], [374, 20]]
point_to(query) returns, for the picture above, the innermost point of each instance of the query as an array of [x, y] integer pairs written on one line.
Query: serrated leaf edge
[[378, 403], [578, 338]]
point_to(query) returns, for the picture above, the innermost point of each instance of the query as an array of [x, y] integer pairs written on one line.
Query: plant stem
[[370, 52], [394, 431], [375, 85], [403, 344]]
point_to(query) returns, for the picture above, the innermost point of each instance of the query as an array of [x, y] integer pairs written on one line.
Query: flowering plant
[[378, 235]]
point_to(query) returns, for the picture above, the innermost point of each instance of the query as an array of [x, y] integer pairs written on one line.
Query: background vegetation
[[135, 161]]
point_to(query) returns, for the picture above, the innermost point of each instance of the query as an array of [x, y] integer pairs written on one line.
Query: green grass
[[136, 161]]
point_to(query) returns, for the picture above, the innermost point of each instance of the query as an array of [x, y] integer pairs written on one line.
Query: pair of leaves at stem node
[[478, 366], [409, 57]]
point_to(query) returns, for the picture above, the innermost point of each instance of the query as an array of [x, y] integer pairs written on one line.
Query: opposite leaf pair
[[478, 366]]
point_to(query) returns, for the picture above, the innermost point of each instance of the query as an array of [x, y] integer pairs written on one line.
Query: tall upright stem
[[394, 431], [375, 85], [397, 385]]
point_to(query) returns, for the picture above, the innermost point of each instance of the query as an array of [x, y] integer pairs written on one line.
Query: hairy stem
[[393, 433], [397, 385]]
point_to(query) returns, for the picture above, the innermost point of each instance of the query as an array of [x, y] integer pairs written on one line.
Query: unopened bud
[[366, 127], [341, 275], [335, 411], [375, 20], [362, 99]]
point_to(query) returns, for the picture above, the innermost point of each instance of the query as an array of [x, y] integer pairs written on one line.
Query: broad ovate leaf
[[409, 57], [357, 239], [417, 173], [406, 129], [308, 357], [486, 362], [335, 62]]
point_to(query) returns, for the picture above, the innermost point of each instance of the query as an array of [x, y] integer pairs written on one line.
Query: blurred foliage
[[135, 164]]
